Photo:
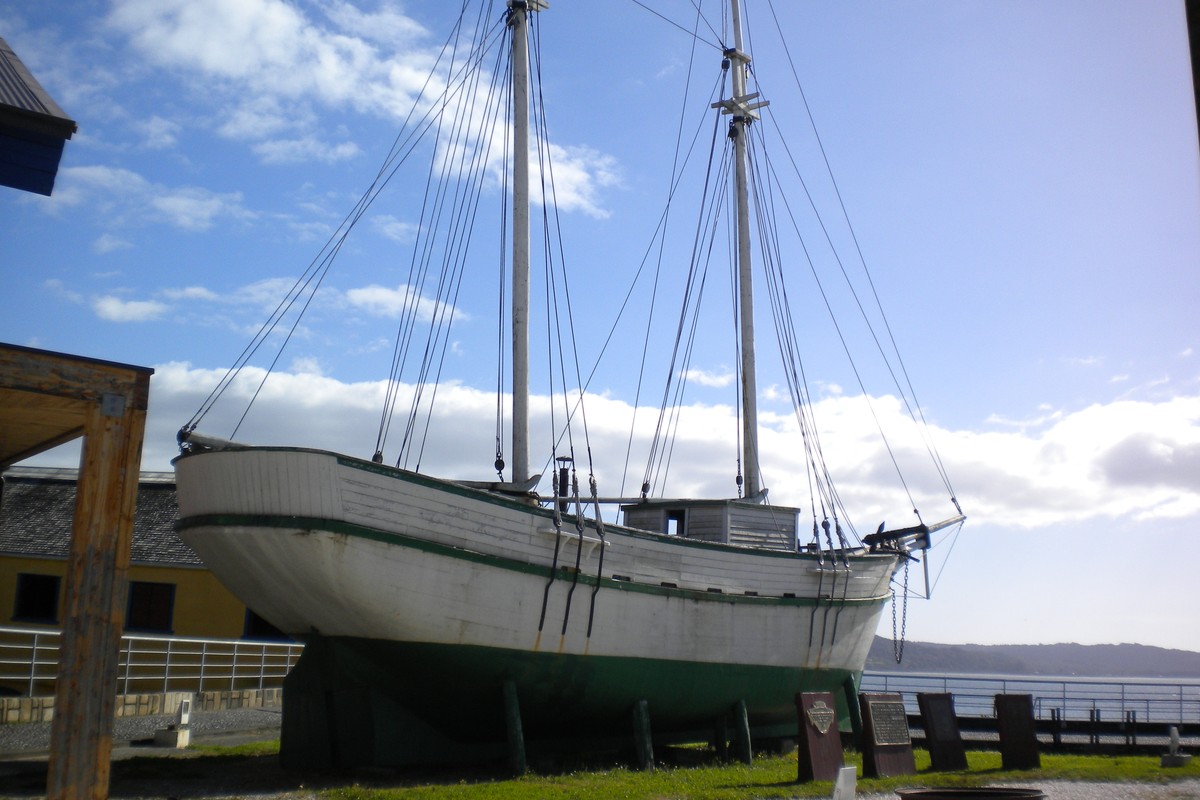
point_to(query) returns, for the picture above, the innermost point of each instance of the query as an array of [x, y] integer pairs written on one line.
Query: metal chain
[[898, 640]]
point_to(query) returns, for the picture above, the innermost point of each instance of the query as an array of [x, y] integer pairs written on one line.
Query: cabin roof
[[37, 506]]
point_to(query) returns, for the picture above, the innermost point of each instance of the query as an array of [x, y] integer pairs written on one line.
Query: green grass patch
[[692, 774], [270, 748], [768, 777]]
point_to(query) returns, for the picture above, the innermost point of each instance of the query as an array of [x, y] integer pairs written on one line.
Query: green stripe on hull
[[416, 543], [440, 703]]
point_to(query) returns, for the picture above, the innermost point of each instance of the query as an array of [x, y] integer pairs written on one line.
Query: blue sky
[[1022, 178]]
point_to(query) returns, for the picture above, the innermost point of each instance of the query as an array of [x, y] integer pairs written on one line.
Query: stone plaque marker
[[178, 735], [942, 737], [1173, 757], [1018, 732], [886, 745], [820, 752]]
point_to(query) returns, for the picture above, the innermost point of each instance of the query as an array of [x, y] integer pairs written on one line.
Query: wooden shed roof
[[45, 397], [37, 505], [33, 129]]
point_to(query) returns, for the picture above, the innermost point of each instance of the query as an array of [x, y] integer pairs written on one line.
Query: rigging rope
[[923, 425], [299, 297]]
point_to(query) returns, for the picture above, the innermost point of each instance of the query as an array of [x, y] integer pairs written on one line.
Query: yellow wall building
[[171, 593]]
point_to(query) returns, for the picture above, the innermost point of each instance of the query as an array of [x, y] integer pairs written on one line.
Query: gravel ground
[[261, 723]]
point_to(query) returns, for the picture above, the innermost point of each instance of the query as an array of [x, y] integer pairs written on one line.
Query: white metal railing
[[149, 664], [1152, 700]]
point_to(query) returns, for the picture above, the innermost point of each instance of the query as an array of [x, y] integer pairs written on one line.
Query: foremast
[[743, 111], [518, 23]]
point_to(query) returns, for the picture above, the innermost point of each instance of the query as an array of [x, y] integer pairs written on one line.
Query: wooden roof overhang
[[46, 398], [33, 129]]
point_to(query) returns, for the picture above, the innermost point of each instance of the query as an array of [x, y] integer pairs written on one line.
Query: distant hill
[[1102, 660]]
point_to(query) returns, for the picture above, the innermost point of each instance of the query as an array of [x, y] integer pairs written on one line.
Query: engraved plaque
[[886, 745], [890, 722], [820, 741], [821, 716]]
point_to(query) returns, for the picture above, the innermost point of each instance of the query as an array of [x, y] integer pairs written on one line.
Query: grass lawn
[[698, 777]]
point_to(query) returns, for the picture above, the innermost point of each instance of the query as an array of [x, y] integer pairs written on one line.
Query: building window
[[37, 598], [151, 607], [258, 628]]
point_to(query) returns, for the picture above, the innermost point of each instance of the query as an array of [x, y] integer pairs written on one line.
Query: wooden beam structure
[[47, 399]]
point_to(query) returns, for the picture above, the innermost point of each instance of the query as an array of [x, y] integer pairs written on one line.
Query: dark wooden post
[[512, 727], [743, 749], [643, 742], [721, 737]]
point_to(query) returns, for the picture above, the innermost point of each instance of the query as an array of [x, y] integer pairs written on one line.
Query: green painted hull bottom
[[361, 702]]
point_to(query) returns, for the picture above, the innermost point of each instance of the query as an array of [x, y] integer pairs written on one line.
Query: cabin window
[[37, 598], [675, 522], [258, 628], [151, 607]]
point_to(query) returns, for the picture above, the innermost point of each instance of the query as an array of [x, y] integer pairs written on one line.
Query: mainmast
[[743, 113], [517, 21]]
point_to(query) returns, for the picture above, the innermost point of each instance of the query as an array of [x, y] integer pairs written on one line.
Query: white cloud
[[196, 209], [294, 151], [1135, 459], [273, 66], [387, 25], [99, 184], [114, 309], [395, 229], [109, 243], [1047, 416], [306, 366], [265, 293], [130, 199], [159, 133], [1125, 461], [260, 117], [60, 289], [579, 174], [191, 293], [268, 47], [386, 302], [716, 380]]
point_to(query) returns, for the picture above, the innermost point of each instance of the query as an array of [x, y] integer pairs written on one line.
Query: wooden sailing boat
[[435, 612]]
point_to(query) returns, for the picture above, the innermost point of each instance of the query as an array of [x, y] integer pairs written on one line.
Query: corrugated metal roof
[[38, 505], [21, 92]]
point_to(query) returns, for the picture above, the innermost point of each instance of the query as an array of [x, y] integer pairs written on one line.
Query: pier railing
[[1169, 701], [29, 666], [29, 663]]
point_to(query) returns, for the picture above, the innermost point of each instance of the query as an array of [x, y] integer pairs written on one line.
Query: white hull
[[318, 543], [430, 597]]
